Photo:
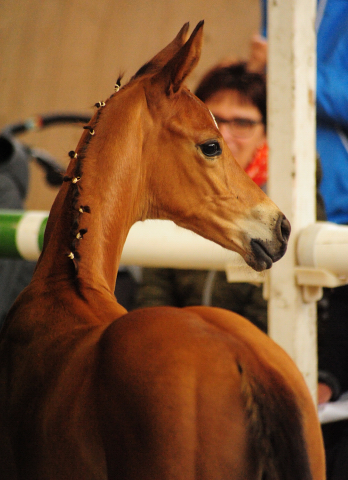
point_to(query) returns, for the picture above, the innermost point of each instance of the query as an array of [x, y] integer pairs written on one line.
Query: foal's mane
[[76, 234]]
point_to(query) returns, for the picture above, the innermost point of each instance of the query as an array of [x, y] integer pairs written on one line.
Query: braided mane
[[76, 233]]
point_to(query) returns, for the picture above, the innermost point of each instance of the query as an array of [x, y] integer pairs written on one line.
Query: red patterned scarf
[[257, 168]]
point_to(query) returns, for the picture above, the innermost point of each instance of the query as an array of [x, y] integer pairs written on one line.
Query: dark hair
[[250, 85]]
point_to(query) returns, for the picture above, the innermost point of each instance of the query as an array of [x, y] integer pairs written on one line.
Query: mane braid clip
[[91, 130], [84, 209], [71, 179], [99, 104], [81, 233]]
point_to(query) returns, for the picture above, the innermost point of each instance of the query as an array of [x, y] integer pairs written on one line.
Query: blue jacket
[[332, 104]]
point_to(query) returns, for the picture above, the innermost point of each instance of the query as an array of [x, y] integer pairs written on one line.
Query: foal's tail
[[276, 433]]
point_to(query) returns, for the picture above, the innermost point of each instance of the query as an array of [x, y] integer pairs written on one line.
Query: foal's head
[[192, 176]]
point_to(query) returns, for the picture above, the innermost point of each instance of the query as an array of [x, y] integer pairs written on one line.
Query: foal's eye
[[211, 148]]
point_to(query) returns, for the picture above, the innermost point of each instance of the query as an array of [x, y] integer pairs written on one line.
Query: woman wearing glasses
[[237, 99]]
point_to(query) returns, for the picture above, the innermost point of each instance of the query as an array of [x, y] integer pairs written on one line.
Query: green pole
[[21, 233]]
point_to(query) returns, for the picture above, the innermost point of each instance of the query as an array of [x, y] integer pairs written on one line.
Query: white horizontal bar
[[324, 245], [161, 243]]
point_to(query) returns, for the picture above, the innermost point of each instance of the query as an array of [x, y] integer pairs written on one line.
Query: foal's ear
[[159, 60], [183, 62], [170, 50]]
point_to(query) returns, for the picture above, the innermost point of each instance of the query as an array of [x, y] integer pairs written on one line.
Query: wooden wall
[[64, 55]]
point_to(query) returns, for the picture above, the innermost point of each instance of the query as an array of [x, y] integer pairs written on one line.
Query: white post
[[291, 134]]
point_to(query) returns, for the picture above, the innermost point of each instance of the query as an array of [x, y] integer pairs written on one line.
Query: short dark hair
[[250, 85]]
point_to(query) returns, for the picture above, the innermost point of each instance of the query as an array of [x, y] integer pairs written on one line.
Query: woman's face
[[240, 123]]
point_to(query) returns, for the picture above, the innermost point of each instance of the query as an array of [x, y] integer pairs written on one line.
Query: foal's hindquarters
[[202, 393]]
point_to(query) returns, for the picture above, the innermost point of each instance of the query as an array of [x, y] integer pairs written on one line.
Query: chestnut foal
[[91, 392]]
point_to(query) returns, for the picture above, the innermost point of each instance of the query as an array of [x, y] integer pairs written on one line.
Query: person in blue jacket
[[332, 106], [331, 102]]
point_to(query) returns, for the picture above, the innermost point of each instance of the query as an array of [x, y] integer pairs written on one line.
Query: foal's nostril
[[285, 229]]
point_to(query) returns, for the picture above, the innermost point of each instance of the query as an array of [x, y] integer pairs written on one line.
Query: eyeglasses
[[238, 126]]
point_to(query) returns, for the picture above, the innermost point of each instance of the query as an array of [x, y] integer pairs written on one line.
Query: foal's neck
[[103, 195]]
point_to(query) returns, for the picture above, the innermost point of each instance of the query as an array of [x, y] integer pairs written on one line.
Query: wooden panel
[[64, 55]]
